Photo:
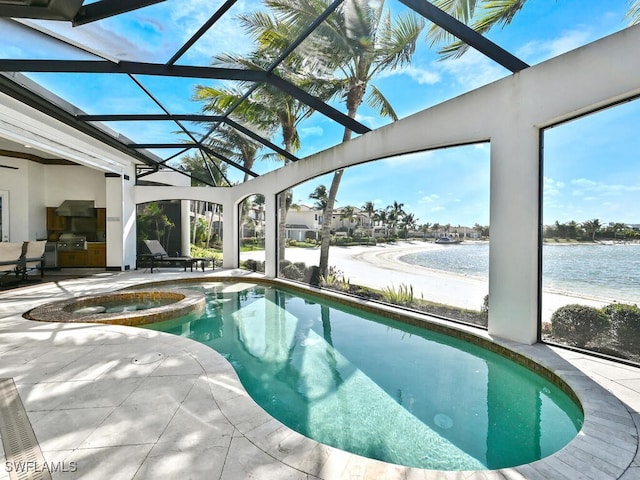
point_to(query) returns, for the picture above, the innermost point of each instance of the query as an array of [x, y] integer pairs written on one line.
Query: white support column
[[129, 220], [513, 258], [115, 231], [271, 235], [230, 239], [185, 228]]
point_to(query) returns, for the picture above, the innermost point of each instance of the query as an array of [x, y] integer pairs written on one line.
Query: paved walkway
[[112, 402]]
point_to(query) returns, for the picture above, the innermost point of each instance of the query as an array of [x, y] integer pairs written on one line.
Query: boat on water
[[448, 241]]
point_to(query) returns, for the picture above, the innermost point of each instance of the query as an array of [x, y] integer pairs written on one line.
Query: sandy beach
[[379, 267]]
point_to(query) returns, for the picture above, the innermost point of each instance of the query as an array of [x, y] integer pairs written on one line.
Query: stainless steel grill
[[72, 241]]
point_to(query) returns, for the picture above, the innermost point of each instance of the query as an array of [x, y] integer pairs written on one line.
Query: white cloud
[[429, 198], [311, 131], [224, 36], [583, 182], [552, 188], [419, 160], [589, 188], [368, 120], [421, 75], [473, 70], [539, 50]]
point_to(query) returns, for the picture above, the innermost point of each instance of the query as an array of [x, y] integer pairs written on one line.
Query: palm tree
[[395, 214], [618, 227], [232, 143], [153, 220], [482, 15], [320, 197], [348, 213], [436, 228], [199, 171], [409, 221], [382, 219], [591, 227], [359, 40], [424, 228], [369, 208], [269, 106]]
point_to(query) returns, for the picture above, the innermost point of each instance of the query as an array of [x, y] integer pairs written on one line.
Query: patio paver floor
[[97, 413]]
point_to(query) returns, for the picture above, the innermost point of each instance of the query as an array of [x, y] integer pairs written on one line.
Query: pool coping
[[604, 448]]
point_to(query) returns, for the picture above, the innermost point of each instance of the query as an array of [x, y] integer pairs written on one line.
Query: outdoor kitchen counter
[[94, 256]]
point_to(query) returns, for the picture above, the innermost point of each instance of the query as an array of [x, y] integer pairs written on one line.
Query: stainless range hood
[[76, 208]]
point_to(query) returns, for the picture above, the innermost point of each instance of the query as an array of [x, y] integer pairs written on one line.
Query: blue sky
[[592, 165]]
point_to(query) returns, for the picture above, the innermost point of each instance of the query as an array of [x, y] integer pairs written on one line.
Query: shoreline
[[380, 267]]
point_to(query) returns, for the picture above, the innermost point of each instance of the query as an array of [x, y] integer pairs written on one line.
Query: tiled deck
[[114, 402]]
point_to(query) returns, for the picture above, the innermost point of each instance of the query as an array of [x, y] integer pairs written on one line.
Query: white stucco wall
[[73, 182], [37, 216], [16, 182]]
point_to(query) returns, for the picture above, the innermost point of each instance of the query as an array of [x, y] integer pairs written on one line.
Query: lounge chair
[[10, 255], [33, 258], [160, 256]]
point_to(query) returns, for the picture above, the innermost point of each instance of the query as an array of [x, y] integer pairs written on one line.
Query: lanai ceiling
[[126, 73]]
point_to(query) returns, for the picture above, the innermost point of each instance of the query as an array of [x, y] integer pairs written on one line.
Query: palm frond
[[487, 14], [463, 10], [397, 41], [498, 12], [375, 99], [634, 12]]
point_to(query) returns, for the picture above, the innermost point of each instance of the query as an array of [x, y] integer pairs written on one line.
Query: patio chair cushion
[[10, 253], [34, 256]]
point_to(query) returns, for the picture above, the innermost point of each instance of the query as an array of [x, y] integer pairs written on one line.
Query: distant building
[[303, 222]]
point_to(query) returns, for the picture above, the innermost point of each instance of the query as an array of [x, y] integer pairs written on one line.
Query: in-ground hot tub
[[135, 307]]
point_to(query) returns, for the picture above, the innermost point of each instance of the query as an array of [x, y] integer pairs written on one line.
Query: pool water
[[380, 388]]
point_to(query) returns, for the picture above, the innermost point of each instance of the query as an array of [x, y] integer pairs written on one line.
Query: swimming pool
[[381, 388]]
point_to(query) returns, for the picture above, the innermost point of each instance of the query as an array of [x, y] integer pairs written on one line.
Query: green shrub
[[578, 324], [403, 295], [625, 320], [335, 279]]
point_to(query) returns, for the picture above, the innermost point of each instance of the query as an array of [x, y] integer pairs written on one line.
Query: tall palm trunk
[[333, 190]]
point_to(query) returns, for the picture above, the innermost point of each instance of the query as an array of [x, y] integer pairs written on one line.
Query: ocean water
[[609, 272]]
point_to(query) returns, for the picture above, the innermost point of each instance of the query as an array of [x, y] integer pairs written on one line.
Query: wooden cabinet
[[101, 219], [94, 256], [55, 222], [97, 255], [76, 258]]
